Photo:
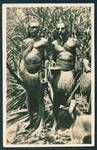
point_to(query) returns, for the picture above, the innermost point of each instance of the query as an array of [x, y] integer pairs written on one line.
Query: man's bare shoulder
[[27, 42]]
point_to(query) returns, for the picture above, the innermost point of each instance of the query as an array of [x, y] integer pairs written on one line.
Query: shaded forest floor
[[17, 134], [18, 121]]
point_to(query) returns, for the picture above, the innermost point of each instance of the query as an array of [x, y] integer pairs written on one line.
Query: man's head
[[34, 28], [61, 32], [60, 26]]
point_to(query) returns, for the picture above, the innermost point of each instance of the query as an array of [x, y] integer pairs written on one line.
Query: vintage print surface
[[48, 75]]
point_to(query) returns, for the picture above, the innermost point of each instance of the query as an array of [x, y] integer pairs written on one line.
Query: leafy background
[[77, 22]]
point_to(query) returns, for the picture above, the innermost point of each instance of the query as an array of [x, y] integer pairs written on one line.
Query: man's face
[[61, 28], [34, 30]]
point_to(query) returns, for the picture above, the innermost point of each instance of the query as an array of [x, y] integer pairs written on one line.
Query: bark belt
[[65, 65], [33, 67]]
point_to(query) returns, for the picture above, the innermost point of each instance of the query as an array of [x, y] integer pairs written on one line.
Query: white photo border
[[21, 5]]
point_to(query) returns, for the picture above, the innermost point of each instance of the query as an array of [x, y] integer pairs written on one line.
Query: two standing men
[[63, 54]]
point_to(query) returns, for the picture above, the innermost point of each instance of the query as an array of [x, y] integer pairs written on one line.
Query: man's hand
[[41, 42], [57, 46], [86, 65], [55, 43]]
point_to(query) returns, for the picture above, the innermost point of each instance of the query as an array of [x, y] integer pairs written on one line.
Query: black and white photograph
[[48, 75]]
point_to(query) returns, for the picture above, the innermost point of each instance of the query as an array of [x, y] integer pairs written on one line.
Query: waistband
[[33, 68], [65, 65]]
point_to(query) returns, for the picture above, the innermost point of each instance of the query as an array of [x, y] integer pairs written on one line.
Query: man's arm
[[27, 46]]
